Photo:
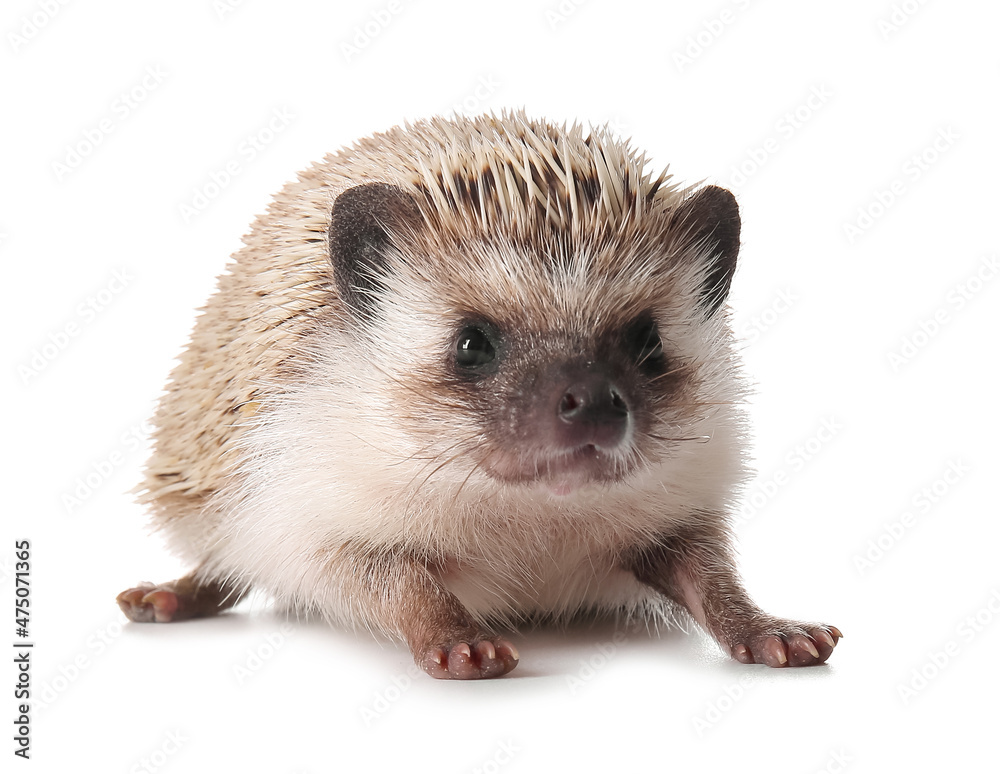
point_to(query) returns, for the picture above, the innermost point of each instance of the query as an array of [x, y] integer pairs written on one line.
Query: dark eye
[[646, 345], [474, 348]]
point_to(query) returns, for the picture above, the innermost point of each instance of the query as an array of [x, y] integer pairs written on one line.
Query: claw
[[825, 638]]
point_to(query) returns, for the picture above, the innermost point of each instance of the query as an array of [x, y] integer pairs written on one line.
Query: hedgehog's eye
[[474, 348], [646, 345]]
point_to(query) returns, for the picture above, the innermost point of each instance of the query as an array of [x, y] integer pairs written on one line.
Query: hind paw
[[147, 603]]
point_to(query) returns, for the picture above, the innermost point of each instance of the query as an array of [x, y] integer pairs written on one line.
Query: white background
[[870, 331]]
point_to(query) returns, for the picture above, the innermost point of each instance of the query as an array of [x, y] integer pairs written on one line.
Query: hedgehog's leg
[[187, 597], [694, 568], [401, 595]]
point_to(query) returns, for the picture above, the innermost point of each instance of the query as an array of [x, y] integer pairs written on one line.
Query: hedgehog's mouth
[[561, 473]]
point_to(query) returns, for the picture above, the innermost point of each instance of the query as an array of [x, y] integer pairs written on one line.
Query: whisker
[[416, 490], [678, 439], [465, 480]]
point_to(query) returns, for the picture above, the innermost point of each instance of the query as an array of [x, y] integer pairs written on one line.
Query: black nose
[[592, 411]]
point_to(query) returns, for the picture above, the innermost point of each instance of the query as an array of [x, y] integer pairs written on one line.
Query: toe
[[460, 663], [802, 651], [507, 654], [772, 651], [163, 603], [435, 663], [496, 659], [742, 654], [825, 643], [130, 602], [489, 664]]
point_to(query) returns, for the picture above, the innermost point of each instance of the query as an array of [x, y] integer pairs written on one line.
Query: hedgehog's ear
[[713, 218], [363, 221]]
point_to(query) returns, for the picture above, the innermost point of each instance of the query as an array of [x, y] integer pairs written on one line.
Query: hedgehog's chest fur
[[544, 581], [533, 554]]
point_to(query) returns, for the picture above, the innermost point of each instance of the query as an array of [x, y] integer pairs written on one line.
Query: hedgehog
[[467, 375]]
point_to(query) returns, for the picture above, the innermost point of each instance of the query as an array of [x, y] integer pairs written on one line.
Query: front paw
[[488, 657], [786, 643]]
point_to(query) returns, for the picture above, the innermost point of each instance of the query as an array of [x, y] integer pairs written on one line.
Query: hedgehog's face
[[553, 362], [564, 407]]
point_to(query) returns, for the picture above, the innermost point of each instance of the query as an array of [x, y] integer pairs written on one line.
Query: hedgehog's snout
[[591, 411]]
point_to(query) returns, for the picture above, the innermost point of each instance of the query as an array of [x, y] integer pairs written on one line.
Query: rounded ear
[[362, 225], [713, 218]]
